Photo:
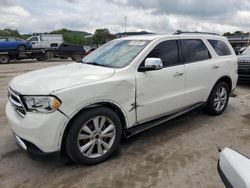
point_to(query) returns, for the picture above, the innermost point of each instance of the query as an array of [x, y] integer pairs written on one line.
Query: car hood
[[49, 80], [243, 57]]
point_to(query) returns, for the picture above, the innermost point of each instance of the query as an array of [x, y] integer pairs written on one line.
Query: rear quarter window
[[194, 50], [220, 47]]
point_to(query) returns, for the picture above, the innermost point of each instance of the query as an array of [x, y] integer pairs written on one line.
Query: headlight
[[42, 104]]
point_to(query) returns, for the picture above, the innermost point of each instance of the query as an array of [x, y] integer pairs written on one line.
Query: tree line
[[100, 36]]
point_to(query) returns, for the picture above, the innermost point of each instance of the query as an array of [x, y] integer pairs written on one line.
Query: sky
[[158, 16]]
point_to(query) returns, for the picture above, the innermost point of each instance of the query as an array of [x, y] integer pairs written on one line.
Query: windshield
[[116, 54]]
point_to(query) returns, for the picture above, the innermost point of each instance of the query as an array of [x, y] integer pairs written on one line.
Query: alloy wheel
[[220, 99], [96, 137]]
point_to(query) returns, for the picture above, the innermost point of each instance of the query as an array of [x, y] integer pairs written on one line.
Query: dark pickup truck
[[76, 52]]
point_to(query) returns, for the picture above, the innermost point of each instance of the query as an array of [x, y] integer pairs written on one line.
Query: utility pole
[[125, 25]]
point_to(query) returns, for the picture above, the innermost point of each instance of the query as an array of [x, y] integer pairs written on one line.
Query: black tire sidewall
[[210, 107], [72, 142], [75, 57], [49, 55], [7, 59]]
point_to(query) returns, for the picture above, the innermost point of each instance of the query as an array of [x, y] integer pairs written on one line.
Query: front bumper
[[41, 131]]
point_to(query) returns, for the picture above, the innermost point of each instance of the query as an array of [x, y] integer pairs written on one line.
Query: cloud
[[159, 16]]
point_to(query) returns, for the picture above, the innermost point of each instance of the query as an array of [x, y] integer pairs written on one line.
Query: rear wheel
[[4, 59], [218, 99], [77, 57], [49, 55], [94, 136], [21, 48]]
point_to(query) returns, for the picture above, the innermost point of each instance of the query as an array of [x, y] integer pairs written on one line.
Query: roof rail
[[179, 32]]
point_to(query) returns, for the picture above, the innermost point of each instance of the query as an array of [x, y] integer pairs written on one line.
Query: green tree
[[69, 36], [101, 35], [227, 34], [238, 33], [10, 32]]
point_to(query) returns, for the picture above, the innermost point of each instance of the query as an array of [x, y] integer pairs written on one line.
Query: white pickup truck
[[46, 41]]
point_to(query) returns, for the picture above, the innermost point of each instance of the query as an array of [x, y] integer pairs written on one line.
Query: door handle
[[178, 74], [215, 67]]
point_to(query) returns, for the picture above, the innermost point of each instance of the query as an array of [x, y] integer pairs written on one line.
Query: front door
[[161, 92]]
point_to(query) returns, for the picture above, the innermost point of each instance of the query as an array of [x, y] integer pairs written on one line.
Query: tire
[[49, 55], [96, 144], [217, 102], [4, 59], [77, 57], [21, 48]]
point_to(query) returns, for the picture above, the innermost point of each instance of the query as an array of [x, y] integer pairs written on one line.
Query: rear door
[[161, 92], [201, 70]]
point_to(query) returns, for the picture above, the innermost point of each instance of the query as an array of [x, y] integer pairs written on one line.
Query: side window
[[220, 47], [194, 50], [11, 39], [167, 51], [34, 39], [3, 39]]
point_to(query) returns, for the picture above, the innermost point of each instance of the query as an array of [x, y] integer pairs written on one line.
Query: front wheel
[[93, 136], [218, 99]]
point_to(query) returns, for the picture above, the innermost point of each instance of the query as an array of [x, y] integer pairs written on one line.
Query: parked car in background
[[14, 43], [242, 50], [46, 41], [90, 50], [244, 65], [65, 50], [124, 87]]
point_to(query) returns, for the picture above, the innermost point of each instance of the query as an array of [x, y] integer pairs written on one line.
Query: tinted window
[[194, 50], [220, 47], [167, 51]]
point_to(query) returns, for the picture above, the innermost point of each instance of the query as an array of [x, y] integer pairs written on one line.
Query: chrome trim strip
[[18, 106], [20, 143]]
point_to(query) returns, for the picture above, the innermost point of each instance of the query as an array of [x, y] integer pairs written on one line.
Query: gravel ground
[[179, 153]]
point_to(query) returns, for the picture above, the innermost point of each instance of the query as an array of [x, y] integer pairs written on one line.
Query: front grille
[[16, 102]]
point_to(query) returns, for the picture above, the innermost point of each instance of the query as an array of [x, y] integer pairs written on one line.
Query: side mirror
[[151, 64], [234, 169]]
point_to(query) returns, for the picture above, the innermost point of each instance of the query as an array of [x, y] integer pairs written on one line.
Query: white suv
[[124, 87]]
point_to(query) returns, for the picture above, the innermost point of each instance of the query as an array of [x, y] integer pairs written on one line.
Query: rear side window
[[167, 51], [11, 39], [220, 47], [3, 39], [194, 50]]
